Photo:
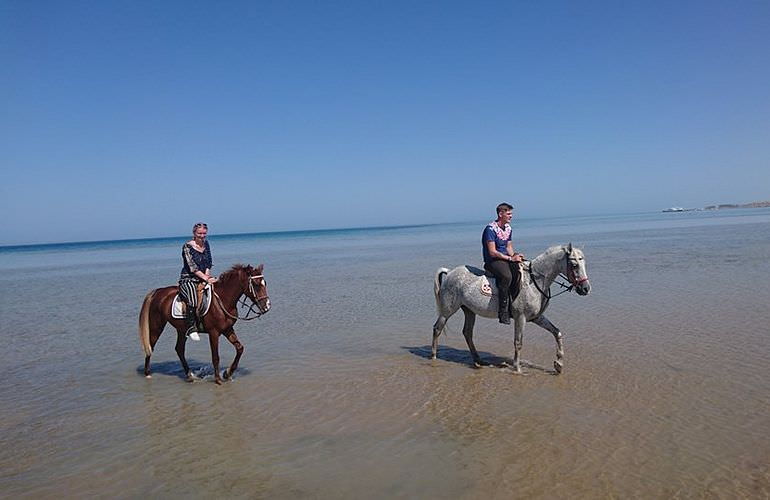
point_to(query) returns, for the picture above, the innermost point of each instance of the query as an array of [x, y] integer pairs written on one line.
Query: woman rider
[[500, 259], [196, 264]]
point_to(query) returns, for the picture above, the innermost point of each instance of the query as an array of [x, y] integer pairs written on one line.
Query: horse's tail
[[440, 273], [144, 323]]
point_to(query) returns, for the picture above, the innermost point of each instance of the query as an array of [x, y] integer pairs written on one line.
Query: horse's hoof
[[189, 378], [558, 366], [148, 376], [218, 381], [513, 368], [226, 374]]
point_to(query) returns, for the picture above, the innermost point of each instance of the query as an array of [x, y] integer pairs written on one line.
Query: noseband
[[573, 279]]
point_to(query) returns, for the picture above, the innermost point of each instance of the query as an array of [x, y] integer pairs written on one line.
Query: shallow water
[[665, 391]]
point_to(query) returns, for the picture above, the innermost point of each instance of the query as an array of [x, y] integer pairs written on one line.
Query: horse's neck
[[546, 267], [229, 290]]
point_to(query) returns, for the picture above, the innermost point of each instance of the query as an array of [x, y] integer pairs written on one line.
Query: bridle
[[569, 277], [260, 303], [572, 278]]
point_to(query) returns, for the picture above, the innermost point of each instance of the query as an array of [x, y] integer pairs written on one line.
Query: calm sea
[[665, 391]]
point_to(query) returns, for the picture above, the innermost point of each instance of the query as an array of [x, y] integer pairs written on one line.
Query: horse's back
[[162, 298], [462, 287], [465, 276]]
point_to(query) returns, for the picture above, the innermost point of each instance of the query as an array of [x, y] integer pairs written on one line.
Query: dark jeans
[[507, 274]]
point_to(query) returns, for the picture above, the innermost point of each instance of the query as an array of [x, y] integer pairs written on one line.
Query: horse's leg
[[438, 327], [154, 336], [181, 341], [470, 320], [155, 325], [543, 322], [233, 338], [214, 343], [518, 336]]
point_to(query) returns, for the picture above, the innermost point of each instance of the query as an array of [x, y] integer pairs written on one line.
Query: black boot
[[502, 308], [190, 325]]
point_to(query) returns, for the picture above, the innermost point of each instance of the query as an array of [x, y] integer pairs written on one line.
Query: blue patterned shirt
[[193, 260]]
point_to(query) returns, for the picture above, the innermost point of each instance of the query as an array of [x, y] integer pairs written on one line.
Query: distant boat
[[674, 209]]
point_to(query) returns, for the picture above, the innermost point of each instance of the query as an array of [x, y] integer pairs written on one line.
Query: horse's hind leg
[[470, 320], [181, 340], [438, 327], [233, 338], [156, 328], [543, 322]]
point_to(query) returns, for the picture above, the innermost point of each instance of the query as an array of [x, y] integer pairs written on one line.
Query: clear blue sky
[[136, 118]]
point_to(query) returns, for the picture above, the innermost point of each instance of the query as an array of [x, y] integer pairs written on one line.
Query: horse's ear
[[260, 268], [569, 247]]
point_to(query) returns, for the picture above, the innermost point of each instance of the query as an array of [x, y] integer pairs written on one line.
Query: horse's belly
[[482, 305]]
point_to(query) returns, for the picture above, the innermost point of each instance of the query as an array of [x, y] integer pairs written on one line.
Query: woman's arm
[[207, 273]]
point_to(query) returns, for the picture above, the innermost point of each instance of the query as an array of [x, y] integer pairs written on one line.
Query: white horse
[[462, 288]]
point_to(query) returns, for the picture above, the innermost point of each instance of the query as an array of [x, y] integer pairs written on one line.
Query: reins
[[548, 295]]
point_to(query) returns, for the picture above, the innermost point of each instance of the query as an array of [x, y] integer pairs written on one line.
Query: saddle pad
[[489, 282], [488, 286], [178, 306]]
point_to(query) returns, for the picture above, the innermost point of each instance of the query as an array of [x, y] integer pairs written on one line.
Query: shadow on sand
[[463, 357], [199, 369]]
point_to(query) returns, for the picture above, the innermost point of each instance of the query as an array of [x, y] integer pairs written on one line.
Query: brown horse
[[223, 313]]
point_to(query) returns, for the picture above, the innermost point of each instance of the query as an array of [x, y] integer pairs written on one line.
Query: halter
[[242, 301]]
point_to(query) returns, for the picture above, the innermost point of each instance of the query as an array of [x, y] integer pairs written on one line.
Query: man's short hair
[[504, 206]]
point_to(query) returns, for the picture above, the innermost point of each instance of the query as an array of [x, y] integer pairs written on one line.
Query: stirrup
[[192, 334]]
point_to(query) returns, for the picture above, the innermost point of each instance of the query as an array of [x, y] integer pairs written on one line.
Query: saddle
[[489, 284], [179, 308]]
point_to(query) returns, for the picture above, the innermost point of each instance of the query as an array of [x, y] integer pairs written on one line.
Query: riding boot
[[190, 324], [502, 307]]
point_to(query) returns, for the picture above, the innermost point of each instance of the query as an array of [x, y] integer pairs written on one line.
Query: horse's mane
[[554, 249], [237, 269]]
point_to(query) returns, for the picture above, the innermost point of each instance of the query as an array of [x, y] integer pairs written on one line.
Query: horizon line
[[291, 231]]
